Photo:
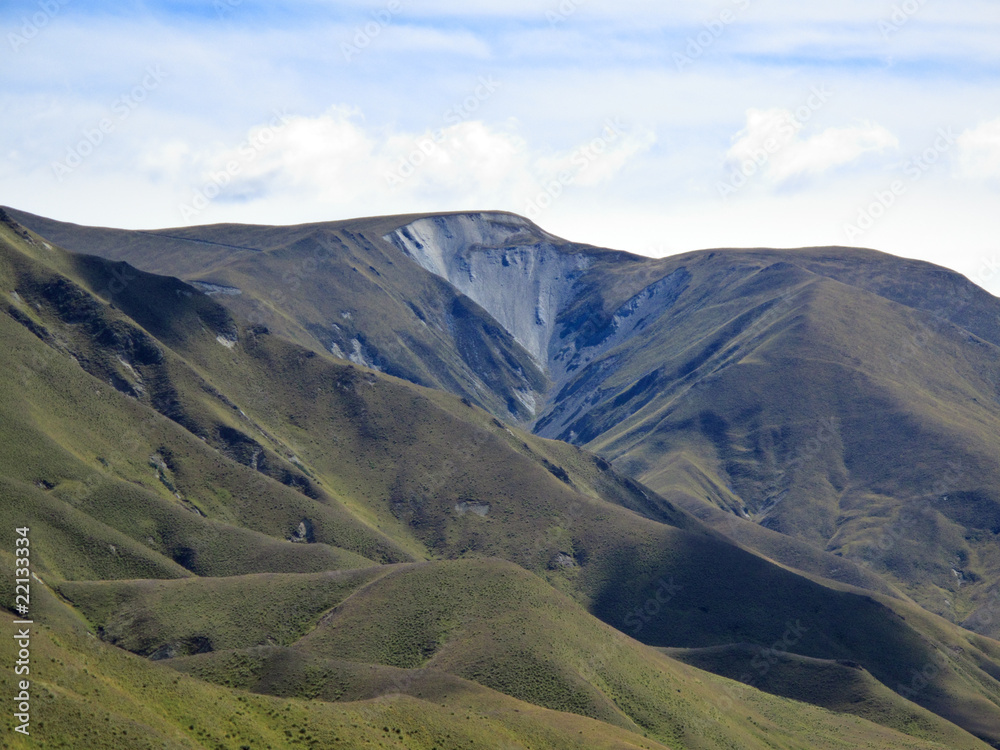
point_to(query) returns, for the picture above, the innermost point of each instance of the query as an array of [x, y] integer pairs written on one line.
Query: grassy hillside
[[459, 627], [198, 482], [86, 693], [843, 398], [328, 287], [842, 686], [808, 422], [494, 623]]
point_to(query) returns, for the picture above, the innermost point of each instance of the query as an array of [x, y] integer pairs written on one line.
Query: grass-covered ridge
[[203, 488], [841, 397], [87, 693]]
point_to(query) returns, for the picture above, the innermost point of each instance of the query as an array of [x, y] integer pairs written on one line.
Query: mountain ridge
[[248, 454], [635, 352]]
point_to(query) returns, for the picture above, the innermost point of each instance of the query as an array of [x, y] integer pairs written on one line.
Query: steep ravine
[[508, 266], [528, 280]]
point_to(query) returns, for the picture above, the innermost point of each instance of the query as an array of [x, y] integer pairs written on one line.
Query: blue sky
[[652, 127]]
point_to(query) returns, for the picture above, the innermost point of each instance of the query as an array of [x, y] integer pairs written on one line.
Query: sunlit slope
[[86, 693], [844, 398], [433, 629], [330, 288], [818, 433]]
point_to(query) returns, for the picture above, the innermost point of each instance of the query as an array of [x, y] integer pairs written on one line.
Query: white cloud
[[772, 142], [334, 159], [598, 159], [979, 154], [646, 12]]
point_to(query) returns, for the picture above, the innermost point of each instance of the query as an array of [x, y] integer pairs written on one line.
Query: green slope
[[818, 436], [329, 287], [209, 447], [842, 397], [440, 630], [85, 693]]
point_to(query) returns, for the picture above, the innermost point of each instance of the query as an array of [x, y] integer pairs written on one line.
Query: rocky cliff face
[[539, 288], [516, 272]]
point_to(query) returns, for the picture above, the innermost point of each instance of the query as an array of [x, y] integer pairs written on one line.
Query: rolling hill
[[213, 484], [843, 398]]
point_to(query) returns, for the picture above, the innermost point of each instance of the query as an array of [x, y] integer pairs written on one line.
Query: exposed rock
[[213, 289], [472, 506], [303, 533], [507, 265], [167, 651], [562, 560]]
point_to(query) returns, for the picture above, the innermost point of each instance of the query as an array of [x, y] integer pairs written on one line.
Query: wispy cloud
[[773, 140], [335, 159]]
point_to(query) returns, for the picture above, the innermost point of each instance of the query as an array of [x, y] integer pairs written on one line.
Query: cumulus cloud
[[336, 159], [772, 143], [979, 154]]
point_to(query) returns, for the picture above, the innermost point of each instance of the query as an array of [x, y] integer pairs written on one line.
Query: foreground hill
[[88, 693]]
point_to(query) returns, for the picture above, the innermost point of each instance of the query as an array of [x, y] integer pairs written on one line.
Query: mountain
[[843, 398], [214, 490]]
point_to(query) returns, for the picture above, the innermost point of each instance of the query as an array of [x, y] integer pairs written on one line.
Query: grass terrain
[[707, 712], [841, 686], [250, 458], [491, 622], [328, 284], [844, 398], [86, 693], [152, 616]]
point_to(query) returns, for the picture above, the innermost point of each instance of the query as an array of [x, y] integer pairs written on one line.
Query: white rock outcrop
[[518, 273]]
